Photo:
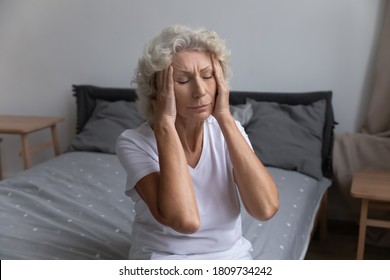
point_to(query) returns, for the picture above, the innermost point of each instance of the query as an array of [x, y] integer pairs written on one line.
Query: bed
[[73, 206]]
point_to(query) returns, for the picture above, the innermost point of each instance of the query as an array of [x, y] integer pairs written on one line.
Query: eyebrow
[[201, 70]]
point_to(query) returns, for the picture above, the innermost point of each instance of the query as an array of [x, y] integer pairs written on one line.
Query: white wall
[[280, 45]]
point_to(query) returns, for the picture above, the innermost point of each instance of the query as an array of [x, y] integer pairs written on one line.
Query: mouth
[[199, 107]]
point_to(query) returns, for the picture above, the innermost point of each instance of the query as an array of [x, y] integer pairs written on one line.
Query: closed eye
[[183, 82], [207, 77]]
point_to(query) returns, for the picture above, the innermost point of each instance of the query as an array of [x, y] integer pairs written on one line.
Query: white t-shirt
[[220, 234]]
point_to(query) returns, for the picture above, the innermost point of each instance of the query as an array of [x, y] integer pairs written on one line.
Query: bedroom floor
[[341, 244]]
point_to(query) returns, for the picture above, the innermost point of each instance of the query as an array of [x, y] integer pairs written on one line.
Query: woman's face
[[194, 84]]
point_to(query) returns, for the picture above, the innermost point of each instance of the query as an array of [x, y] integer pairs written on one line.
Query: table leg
[[54, 136], [362, 229], [25, 152]]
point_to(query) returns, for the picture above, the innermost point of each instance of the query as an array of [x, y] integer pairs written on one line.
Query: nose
[[199, 89]]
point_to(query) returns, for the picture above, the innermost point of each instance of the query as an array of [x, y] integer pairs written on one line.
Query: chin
[[200, 117], [204, 116]]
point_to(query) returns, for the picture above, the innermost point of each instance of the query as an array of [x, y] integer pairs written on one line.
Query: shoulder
[[139, 138], [139, 134], [215, 132]]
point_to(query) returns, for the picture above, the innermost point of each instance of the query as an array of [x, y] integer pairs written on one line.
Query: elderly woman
[[189, 164]]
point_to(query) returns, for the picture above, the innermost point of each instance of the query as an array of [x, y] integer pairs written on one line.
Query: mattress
[[73, 207], [288, 233]]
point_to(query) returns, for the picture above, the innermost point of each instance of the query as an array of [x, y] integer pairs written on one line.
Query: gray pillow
[[107, 122], [242, 113], [288, 136]]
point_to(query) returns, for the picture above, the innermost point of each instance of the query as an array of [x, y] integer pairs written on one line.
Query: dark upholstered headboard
[[86, 96]]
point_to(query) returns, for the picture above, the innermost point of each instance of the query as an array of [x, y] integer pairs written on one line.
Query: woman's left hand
[[221, 106]]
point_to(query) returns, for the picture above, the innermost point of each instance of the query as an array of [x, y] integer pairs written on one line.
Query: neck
[[191, 137], [190, 134]]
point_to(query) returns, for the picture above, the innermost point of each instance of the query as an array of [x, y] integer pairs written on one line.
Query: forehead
[[189, 59]]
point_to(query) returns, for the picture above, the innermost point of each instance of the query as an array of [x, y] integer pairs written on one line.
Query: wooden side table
[[1, 169], [373, 188], [24, 125]]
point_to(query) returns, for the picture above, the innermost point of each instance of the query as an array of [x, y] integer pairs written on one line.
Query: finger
[[159, 81], [154, 104], [170, 79], [165, 78], [215, 63], [217, 68], [218, 74]]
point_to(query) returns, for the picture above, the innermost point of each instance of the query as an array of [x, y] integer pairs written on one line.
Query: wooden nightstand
[[1, 169], [24, 125], [373, 188]]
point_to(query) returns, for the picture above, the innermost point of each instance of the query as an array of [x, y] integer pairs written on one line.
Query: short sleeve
[[242, 130], [138, 155]]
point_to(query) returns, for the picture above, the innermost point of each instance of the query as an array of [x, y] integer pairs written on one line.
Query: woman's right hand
[[164, 105], [169, 193]]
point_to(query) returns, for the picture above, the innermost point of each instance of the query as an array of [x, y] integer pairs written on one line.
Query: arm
[[256, 186], [169, 194]]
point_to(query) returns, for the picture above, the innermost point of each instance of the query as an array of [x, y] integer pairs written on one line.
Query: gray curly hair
[[158, 54]]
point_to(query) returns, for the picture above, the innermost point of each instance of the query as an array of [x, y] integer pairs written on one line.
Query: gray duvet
[[73, 207]]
